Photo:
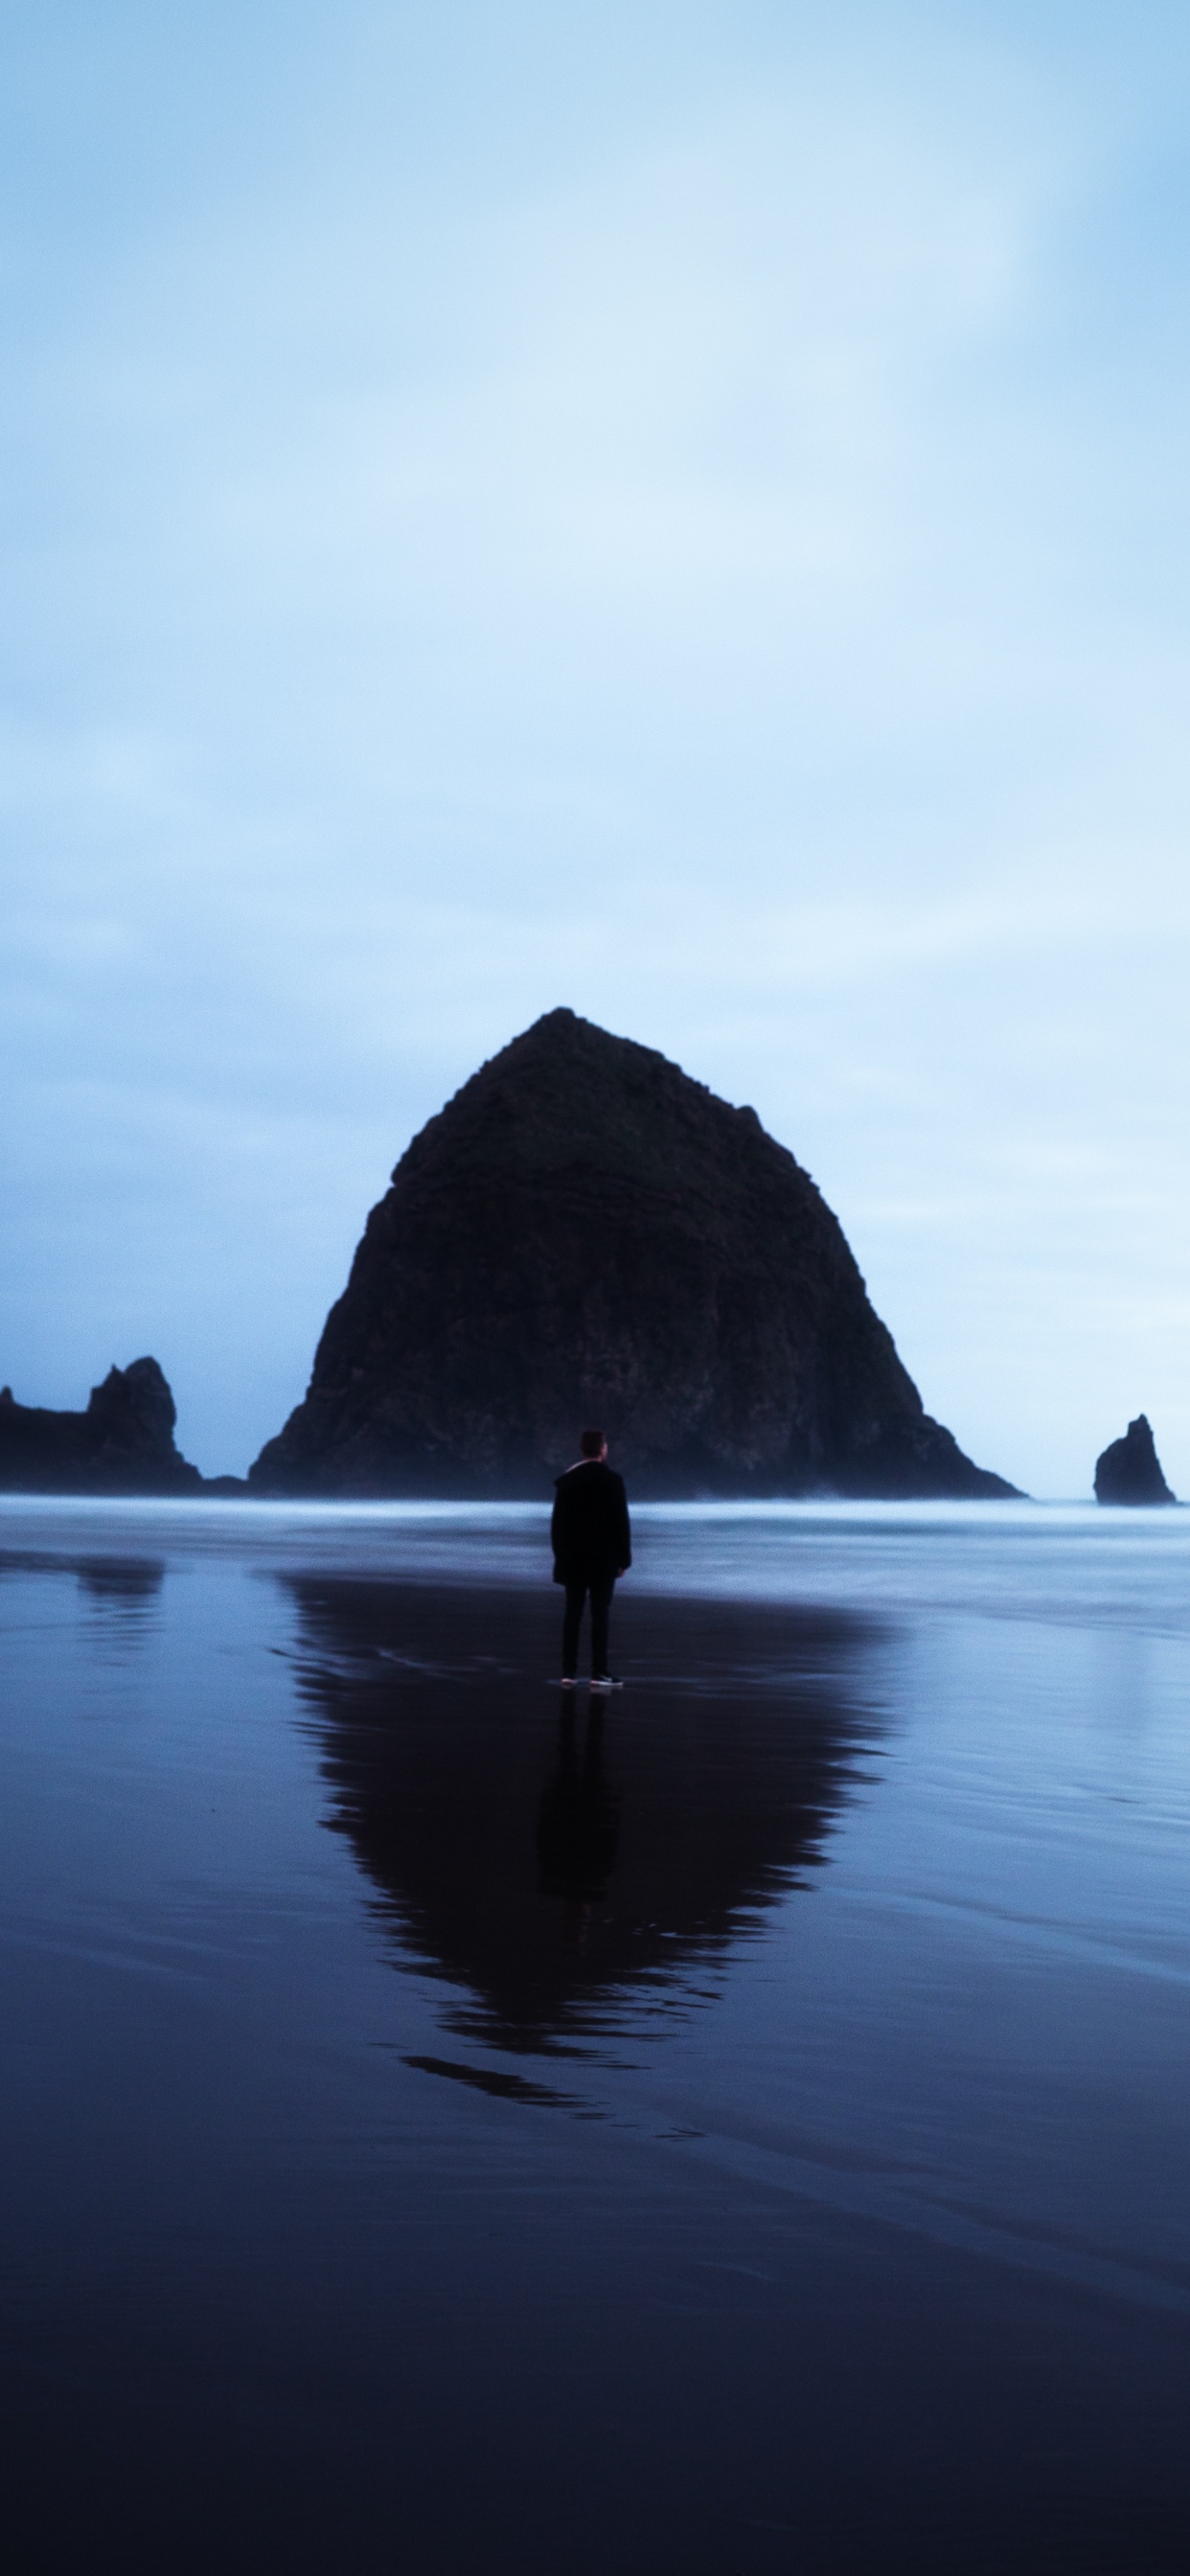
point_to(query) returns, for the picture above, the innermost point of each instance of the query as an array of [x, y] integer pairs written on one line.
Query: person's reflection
[[579, 1819], [577, 1875]]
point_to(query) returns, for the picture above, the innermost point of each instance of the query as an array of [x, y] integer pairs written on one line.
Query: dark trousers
[[601, 1588]]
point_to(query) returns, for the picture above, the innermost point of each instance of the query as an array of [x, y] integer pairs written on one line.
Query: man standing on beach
[[592, 1544]]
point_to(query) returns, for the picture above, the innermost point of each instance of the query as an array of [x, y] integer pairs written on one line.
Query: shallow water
[[741, 2127]]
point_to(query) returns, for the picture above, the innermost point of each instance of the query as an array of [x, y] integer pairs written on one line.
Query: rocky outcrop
[[586, 1235], [122, 1444], [1130, 1470]]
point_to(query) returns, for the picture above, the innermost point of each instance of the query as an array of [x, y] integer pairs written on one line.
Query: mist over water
[[753, 2107]]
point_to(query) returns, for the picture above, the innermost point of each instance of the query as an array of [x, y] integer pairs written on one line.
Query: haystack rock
[[122, 1444], [585, 1235], [1129, 1471]]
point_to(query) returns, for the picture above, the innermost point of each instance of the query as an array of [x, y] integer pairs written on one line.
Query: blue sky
[[681, 511]]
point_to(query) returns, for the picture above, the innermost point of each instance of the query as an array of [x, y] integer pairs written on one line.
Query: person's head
[[592, 1445]]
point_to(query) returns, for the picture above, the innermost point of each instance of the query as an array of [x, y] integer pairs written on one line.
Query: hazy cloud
[[683, 514]]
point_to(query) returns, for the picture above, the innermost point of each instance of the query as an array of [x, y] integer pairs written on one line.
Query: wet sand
[[738, 2126]]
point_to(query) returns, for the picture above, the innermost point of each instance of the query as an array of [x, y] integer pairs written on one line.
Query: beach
[[738, 2125]]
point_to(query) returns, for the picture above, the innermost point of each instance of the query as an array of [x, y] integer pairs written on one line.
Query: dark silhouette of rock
[[1130, 1470], [586, 1235], [122, 1444]]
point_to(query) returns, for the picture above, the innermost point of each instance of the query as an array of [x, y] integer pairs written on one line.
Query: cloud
[[686, 523]]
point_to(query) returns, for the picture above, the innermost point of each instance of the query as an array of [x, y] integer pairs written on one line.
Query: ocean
[[738, 2126]]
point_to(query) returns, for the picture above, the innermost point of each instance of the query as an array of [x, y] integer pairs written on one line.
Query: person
[[592, 1544]]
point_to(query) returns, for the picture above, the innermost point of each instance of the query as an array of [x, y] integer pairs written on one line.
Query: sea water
[[740, 2125]]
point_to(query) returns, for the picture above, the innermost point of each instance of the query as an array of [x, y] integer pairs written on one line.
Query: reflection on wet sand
[[127, 1585], [577, 1868]]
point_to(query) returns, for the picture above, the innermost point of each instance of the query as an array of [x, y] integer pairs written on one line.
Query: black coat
[[591, 1536]]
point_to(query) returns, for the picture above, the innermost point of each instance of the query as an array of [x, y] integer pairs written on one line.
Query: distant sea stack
[[122, 1444], [1130, 1470], [585, 1235]]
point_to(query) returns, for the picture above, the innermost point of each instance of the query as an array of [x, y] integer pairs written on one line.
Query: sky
[[682, 511]]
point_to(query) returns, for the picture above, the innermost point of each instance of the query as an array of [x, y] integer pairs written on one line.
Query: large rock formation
[[585, 1235], [1129, 1471], [122, 1444]]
